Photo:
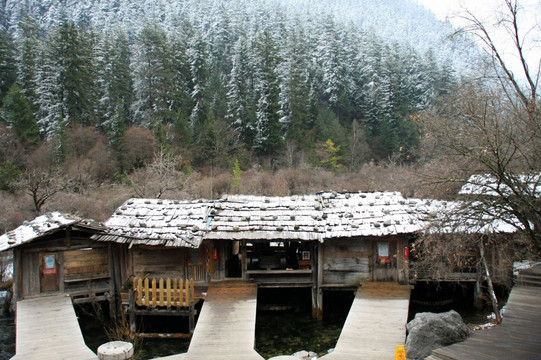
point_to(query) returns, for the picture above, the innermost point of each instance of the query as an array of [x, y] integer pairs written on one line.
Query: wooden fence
[[165, 293]]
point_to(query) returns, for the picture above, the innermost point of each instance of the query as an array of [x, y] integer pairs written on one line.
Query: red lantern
[[215, 255], [406, 253]]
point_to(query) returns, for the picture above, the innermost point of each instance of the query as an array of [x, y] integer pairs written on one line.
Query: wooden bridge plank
[[47, 328], [518, 337], [226, 326], [376, 323]]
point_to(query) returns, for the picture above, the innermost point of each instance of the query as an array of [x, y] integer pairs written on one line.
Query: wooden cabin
[[54, 254], [323, 241]]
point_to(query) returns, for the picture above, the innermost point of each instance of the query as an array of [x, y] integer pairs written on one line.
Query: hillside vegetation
[[188, 99]]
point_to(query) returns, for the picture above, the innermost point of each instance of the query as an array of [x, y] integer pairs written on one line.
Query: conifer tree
[[268, 140], [197, 57], [116, 92], [153, 77], [240, 100], [7, 62], [16, 110], [65, 80], [26, 43]]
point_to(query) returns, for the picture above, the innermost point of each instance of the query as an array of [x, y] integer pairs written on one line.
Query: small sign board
[[49, 265], [400, 352]]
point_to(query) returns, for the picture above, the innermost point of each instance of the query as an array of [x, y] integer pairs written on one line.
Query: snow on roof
[[244, 217], [41, 226], [490, 186], [463, 217], [158, 222]]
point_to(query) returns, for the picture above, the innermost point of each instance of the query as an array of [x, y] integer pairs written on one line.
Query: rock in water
[[429, 331]]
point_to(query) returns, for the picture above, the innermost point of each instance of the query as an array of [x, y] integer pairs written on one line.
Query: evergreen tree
[[197, 57], [116, 93], [26, 42], [182, 104], [16, 110], [65, 80], [76, 74], [240, 100], [161, 138], [153, 74], [268, 139], [295, 93], [7, 62]]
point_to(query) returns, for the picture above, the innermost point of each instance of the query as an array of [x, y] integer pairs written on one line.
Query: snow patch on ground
[[491, 321], [523, 265]]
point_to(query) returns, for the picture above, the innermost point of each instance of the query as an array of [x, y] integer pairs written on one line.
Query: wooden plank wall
[[165, 262], [86, 263], [346, 261], [86, 270], [30, 274]]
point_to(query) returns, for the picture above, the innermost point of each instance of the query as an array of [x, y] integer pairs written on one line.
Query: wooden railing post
[[168, 289], [154, 297], [139, 291]]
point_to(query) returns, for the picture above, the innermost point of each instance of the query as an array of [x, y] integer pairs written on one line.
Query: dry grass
[[99, 202]]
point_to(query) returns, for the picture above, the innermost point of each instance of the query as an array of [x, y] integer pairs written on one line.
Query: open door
[[49, 272]]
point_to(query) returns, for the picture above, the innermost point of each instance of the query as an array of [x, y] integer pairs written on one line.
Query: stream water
[[280, 331], [7, 332]]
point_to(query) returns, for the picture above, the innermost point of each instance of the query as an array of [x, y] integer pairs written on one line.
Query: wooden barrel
[[116, 350]]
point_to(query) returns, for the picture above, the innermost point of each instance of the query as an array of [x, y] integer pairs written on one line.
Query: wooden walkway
[[47, 328], [225, 329], [518, 337], [376, 323]]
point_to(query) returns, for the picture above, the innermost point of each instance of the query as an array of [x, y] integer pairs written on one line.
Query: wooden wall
[[158, 261], [86, 268], [346, 261], [83, 266]]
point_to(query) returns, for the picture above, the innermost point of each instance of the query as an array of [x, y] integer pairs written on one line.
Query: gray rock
[[429, 331]]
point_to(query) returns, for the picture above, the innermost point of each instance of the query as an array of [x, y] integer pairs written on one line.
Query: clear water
[[286, 332], [7, 333]]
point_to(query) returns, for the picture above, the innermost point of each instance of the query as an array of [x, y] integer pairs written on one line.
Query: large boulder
[[429, 331]]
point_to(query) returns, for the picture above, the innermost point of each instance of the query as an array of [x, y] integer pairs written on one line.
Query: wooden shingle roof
[[44, 225], [244, 217]]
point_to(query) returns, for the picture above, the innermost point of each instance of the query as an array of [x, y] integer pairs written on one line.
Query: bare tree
[[455, 247], [492, 127], [159, 177], [41, 185]]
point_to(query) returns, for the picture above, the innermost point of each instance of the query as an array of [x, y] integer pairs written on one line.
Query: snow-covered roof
[[490, 186], [463, 217], [41, 226], [243, 217], [158, 222]]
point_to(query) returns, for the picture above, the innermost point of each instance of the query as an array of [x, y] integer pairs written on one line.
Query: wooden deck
[[225, 329], [47, 328], [518, 337], [376, 323]]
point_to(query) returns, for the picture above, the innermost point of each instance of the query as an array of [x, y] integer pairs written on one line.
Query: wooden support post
[[317, 281], [113, 295], [191, 317], [131, 311], [244, 259], [17, 275]]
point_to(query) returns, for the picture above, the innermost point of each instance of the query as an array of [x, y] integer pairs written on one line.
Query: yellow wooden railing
[[168, 292]]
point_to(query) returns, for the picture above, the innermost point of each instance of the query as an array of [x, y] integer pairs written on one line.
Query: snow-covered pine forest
[[273, 71], [104, 86]]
